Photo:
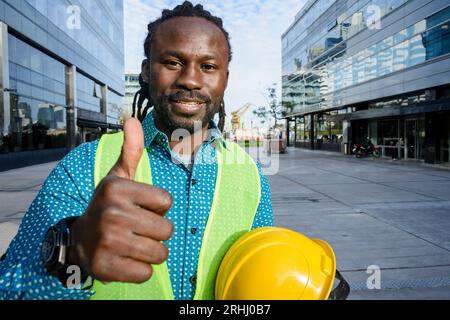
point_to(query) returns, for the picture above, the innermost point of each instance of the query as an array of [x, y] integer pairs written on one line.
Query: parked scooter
[[366, 149]]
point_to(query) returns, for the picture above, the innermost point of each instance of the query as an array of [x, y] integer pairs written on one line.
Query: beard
[[173, 121]]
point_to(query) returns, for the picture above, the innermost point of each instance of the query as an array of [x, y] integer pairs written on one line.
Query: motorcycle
[[366, 149]]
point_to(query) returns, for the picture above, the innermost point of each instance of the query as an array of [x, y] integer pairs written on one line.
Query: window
[[115, 108], [37, 108], [89, 94], [437, 37]]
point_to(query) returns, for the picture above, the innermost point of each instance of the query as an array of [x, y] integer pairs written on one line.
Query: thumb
[[132, 148]]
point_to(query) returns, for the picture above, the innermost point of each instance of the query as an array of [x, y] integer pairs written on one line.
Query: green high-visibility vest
[[236, 198]]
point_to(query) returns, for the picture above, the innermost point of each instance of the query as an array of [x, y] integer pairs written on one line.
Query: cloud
[[255, 27]]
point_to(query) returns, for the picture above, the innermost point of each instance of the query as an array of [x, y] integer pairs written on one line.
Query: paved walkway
[[18, 188], [392, 215], [389, 214]]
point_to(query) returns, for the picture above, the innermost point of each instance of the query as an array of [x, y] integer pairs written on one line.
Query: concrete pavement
[[389, 214], [18, 188]]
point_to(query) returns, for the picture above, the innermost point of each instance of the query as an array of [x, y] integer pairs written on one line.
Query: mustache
[[189, 96]]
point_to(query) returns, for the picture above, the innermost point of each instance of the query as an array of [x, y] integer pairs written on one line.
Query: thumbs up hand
[[119, 236], [132, 149]]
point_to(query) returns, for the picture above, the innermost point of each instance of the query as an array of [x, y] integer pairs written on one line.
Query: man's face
[[188, 72]]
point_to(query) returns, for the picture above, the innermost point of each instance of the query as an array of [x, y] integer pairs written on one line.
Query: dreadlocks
[[187, 9], [140, 97]]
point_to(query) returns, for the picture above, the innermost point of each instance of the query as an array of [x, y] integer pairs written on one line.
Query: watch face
[[48, 246]]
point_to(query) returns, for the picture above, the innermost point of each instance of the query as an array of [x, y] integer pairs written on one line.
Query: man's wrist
[[73, 254], [60, 256]]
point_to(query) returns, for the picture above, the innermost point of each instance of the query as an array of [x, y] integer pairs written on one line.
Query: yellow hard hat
[[279, 264]]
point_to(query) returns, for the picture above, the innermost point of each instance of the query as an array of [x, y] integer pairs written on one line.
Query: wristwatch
[[54, 249]]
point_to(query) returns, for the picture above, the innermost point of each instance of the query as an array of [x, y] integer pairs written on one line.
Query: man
[[107, 220]]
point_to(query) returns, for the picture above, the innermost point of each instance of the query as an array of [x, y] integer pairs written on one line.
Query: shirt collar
[[152, 133]]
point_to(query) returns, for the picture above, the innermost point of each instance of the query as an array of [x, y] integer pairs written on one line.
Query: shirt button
[[194, 230], [194, 182], [193, 280]]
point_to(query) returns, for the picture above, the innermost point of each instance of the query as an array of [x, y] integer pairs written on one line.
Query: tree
[[261, 113], [273, 110], [288, 108]]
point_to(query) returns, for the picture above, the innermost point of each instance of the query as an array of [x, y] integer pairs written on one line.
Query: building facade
[[370, 69], [131, 87], [61, 75]]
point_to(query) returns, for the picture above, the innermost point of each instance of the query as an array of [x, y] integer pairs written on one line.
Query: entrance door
[[421, 138], [411, 138], [90, 134], [414, 138]]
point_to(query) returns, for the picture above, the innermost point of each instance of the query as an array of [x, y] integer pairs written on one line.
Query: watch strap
[[64, 240]]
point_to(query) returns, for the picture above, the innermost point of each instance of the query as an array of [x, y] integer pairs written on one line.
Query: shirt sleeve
[[65, 193], [264, 214]]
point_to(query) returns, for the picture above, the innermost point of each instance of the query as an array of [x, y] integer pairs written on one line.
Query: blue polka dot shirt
[[69, 189]]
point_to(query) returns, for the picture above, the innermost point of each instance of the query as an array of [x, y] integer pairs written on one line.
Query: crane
[[237, 115]]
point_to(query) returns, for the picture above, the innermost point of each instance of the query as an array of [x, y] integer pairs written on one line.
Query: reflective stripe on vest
[[236, 198]]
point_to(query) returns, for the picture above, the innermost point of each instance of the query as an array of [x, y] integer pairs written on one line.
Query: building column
[[5, 107], [71, 103], [431, 134], [373, 131], [346, 136], [288, 122], [105, 101], [295, 132], [312, 131]]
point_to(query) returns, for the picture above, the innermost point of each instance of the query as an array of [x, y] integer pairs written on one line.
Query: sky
[[255, 27]]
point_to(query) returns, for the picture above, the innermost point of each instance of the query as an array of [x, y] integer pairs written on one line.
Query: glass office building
[[61, 75], [377, 69]]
